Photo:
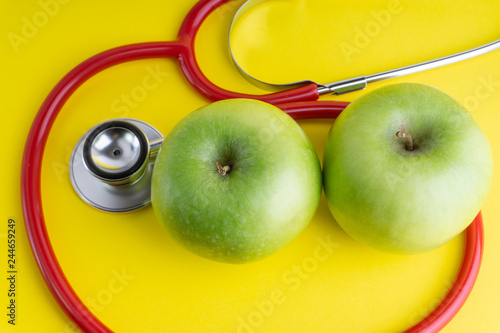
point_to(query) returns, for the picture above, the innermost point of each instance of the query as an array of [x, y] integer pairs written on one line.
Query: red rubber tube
[[183, 51], [309, 110], [463, 284], [198, 80]]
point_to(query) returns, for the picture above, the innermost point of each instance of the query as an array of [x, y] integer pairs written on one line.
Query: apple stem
[[409, 142], [222, 170]]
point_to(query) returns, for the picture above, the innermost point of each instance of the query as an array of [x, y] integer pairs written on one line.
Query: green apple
[[236, 181], [406, 168]]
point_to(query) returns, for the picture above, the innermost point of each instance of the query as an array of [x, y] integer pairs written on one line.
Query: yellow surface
[[129, 271]]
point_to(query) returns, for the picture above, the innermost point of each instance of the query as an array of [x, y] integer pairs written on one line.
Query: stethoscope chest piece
[[112, 164]]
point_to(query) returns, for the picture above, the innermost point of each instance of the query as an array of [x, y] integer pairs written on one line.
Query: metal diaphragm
[[110, 167]]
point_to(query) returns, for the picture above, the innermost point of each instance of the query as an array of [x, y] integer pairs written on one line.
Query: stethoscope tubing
[[299, 103], [463, 284]]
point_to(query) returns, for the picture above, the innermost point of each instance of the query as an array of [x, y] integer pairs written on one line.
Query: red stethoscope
[[299, 102]]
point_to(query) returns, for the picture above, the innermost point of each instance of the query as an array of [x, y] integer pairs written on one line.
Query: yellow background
[[165, 288]]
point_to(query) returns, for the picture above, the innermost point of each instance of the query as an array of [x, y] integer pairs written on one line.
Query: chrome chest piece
[[112, 164]]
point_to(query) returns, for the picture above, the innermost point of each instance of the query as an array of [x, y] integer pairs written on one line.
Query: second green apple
[[406, 168]]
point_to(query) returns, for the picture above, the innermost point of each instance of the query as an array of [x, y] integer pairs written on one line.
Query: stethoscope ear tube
[[356, 83]]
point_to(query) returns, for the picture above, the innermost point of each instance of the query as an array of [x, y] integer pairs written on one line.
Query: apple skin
[[263, 203], [404, 201]]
